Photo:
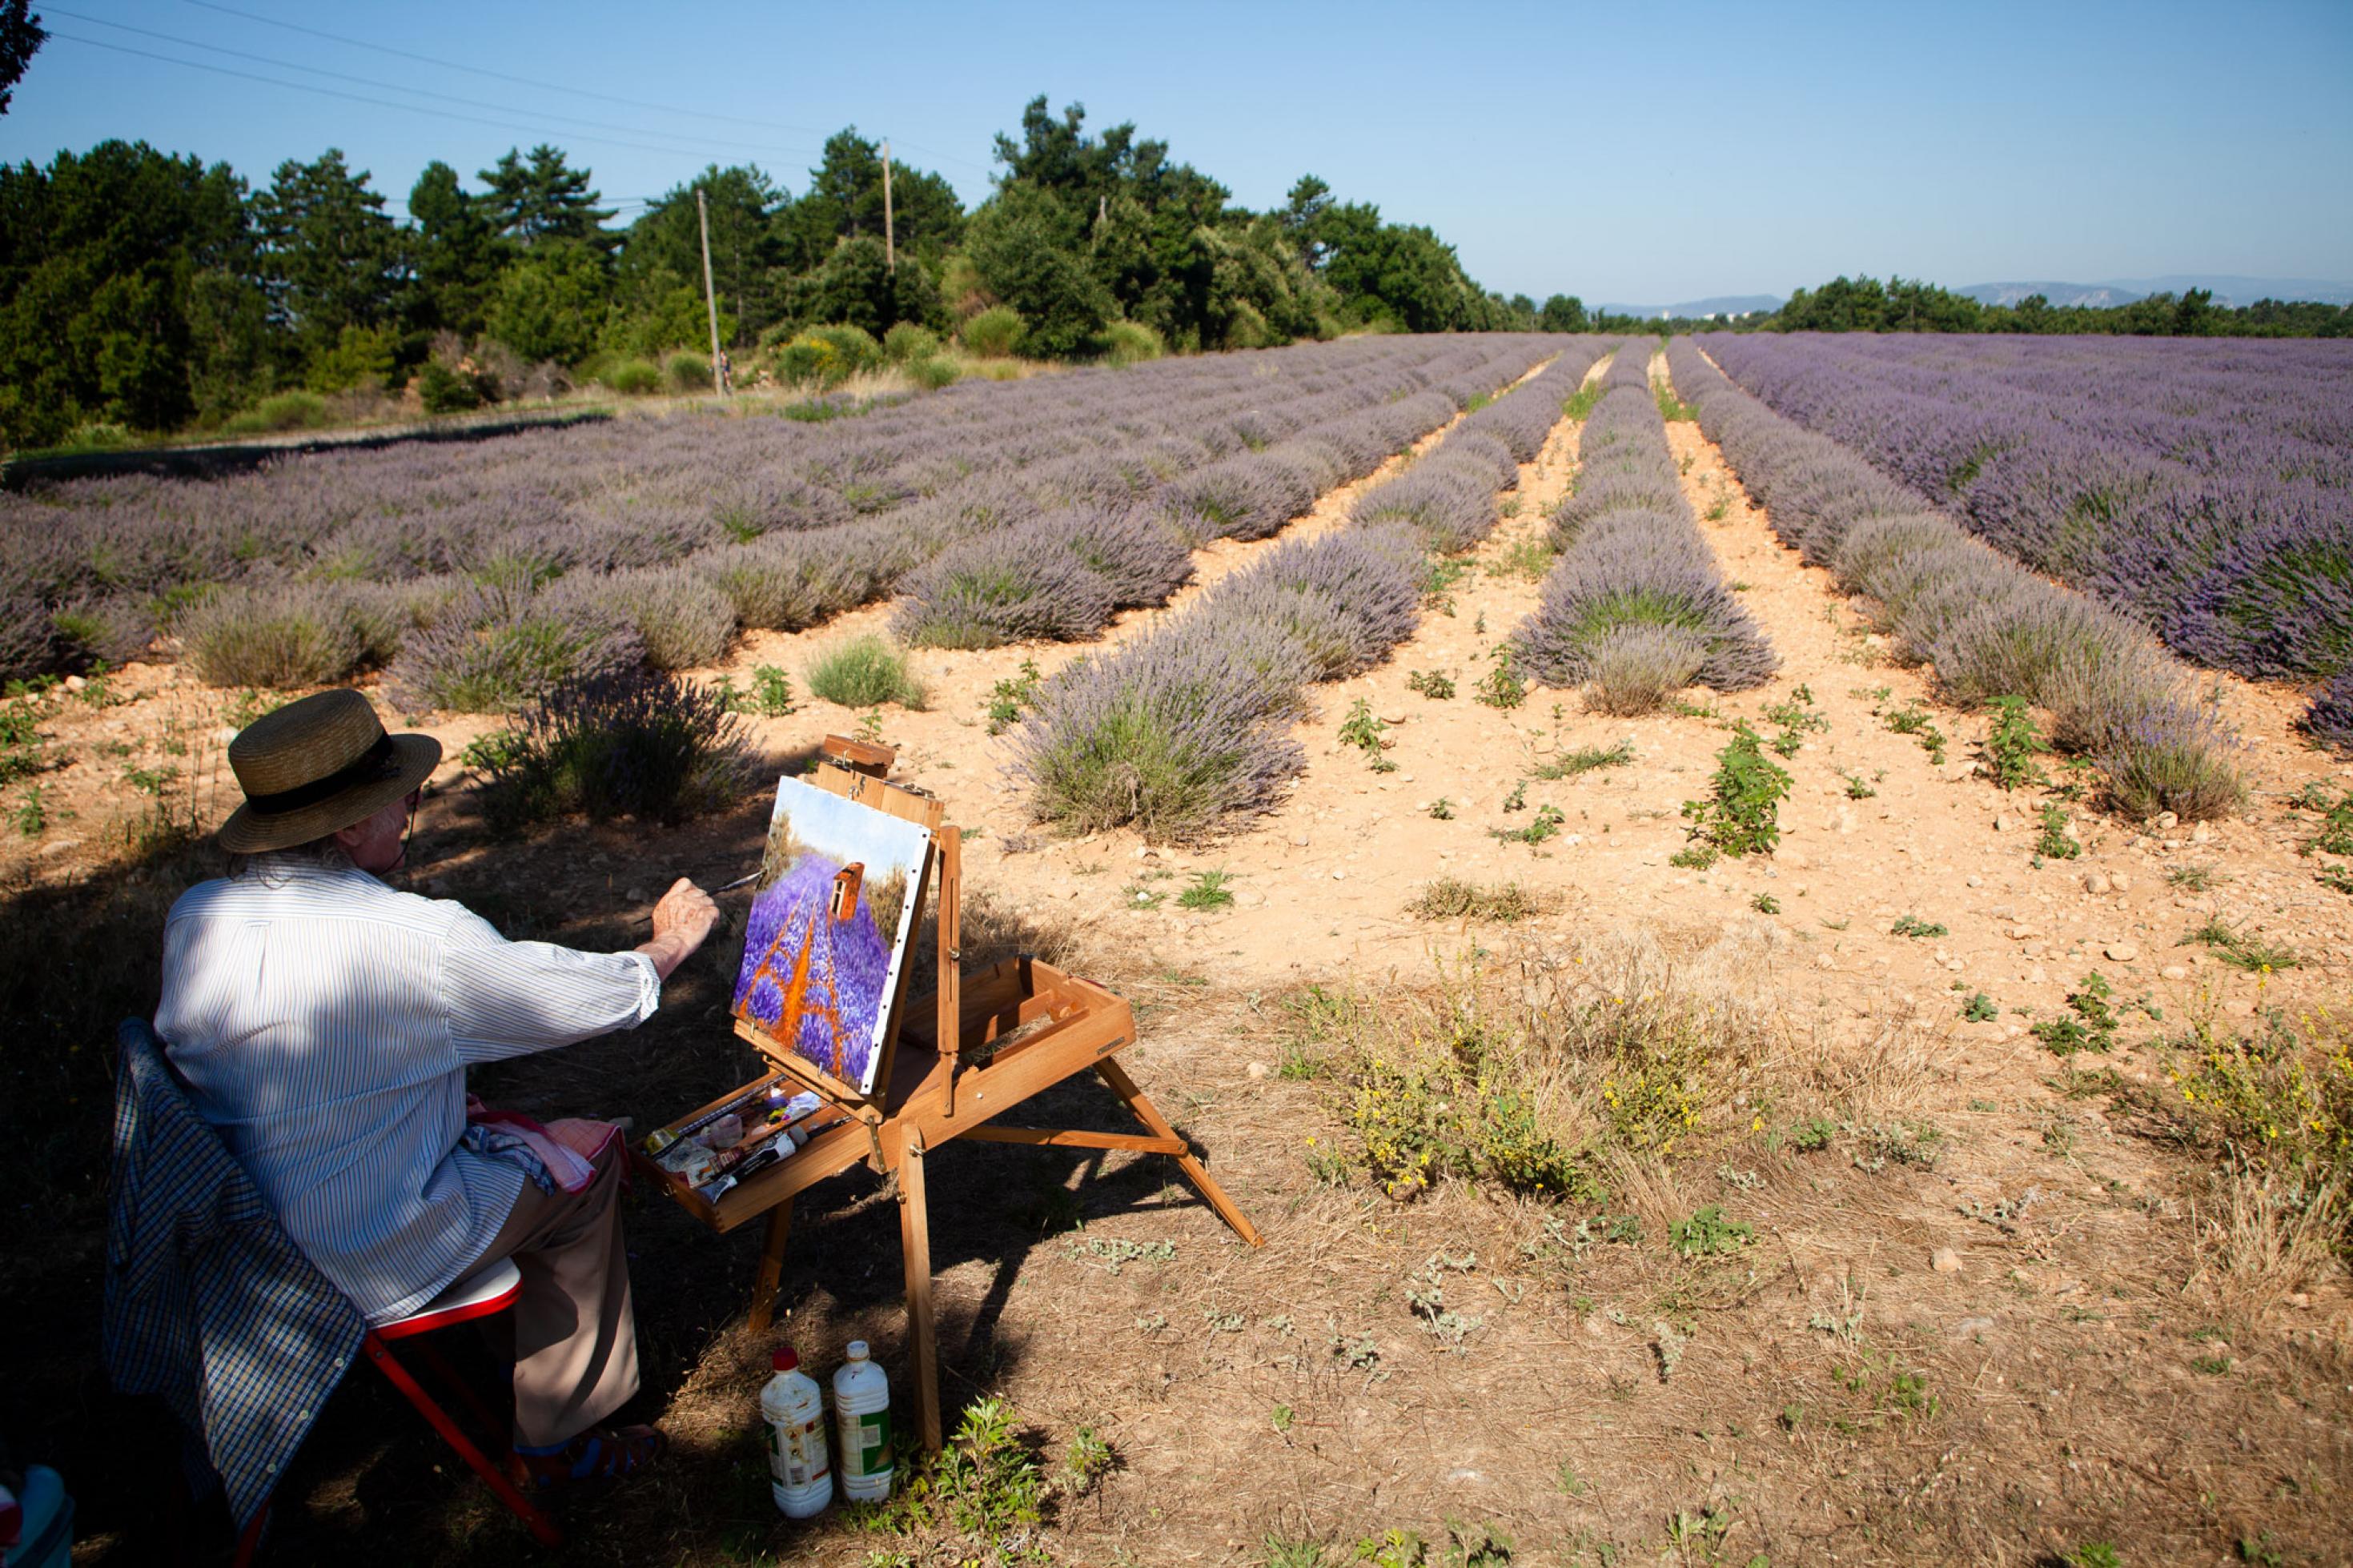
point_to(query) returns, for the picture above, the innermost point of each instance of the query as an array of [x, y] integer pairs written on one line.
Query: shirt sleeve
[[510, 998]]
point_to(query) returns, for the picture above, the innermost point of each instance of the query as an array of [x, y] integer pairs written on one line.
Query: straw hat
[[318, 763]]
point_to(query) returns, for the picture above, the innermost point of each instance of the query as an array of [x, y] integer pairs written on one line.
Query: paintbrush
[[744, 881]]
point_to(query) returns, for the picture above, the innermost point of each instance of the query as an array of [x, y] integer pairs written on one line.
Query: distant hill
[[2099, 296], [2229, 290], [1717, 305]]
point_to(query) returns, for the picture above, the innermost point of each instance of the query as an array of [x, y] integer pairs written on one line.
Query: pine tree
[[330, 256], [546, 198]]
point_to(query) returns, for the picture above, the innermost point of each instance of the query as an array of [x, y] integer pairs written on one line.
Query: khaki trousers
[[575, 1339]]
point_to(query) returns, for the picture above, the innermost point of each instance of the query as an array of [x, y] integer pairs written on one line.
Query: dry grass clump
[[1452, 897], [2276, 1106], [1539, 1073]]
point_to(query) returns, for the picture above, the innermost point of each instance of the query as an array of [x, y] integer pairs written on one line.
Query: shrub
[[1131, 342], [687, 371], [854, 348], [299, 635], [682, 616], [932, 374], [865, 673], [1177, 734], [791, 582], [500, 646], [1012, 586], [282, 411], [634, 377], [1135, 551], [810, 360], [2329, 720], [635, 743], [2174, 757], [994, 333], [1636, 668], [445, 391], [906, 342]]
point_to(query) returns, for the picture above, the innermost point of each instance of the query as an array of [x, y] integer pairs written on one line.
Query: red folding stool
[[485, 1294]]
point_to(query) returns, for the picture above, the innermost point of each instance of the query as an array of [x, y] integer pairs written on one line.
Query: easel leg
[[1195, 1171], [772, 1265], [915, 1248]]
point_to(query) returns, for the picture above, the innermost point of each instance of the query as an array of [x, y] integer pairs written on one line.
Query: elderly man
[[323, 1021]]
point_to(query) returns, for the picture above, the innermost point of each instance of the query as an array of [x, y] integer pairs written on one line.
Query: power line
[[362, 98], [501, 76], [690, 149]]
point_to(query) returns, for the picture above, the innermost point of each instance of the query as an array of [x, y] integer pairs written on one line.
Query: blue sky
[[1620, 151]]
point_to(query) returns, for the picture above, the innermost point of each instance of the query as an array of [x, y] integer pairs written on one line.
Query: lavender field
[[2204, 487], [483, 575]]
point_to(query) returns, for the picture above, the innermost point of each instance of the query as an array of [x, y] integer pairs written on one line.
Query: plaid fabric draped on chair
[[207, 1303]]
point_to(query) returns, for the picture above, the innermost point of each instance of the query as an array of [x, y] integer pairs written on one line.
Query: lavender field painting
[[829, 929]]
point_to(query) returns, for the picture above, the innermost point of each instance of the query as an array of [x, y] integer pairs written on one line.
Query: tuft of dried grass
[[1452, 897], [2264, 1237]]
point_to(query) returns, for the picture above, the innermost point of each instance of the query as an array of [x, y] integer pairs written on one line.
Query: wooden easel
[[996, 1038]]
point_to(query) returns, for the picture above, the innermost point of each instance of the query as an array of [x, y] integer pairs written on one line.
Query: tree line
[[158, 291], [1908, 305]]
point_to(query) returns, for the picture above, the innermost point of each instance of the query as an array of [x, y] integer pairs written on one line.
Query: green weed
[[1913, 926], [1545, 824], [1209, 891], [1012, 697], [1364, 729], [2239, 948], [1501, 687], [1585, 760], [1436, 685], [2055, 842], [865, 673], [2012, 742], [1742, 813]]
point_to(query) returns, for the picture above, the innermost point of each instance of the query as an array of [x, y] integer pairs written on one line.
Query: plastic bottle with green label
[[862, 1419]]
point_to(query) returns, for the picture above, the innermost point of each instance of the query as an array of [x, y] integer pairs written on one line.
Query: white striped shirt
[[323, 1020]]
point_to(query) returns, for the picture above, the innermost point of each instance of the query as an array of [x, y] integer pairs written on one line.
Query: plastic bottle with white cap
[[800, 1478], [862, 1415]]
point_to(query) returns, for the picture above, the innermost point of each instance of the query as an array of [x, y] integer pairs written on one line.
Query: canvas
[[829, 929]]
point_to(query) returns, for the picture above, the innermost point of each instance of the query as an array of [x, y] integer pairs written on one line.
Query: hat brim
[[251, 832]]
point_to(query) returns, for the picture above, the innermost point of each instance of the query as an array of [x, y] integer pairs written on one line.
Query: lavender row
[[1989, 627], [1448, 496], [1063, 576], [1184, 730], [1636, 607], [2206, 487], [781, 523]]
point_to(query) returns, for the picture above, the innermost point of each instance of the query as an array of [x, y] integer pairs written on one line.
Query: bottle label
[[865, 1445], [797, 1454]]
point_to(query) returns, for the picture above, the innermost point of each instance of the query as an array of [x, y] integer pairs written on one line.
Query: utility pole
[[710, 299], [890, 238]]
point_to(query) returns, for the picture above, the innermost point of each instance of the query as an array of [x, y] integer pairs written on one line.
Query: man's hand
[[681, 920]]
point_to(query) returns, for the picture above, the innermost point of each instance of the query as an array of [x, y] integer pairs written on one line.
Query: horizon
[[2120, 154]]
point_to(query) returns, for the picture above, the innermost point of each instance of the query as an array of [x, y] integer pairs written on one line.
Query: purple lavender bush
[[500, 646], [635, 743], [1017, 586], [1177, 734], [294, 634], [2329, 720]]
